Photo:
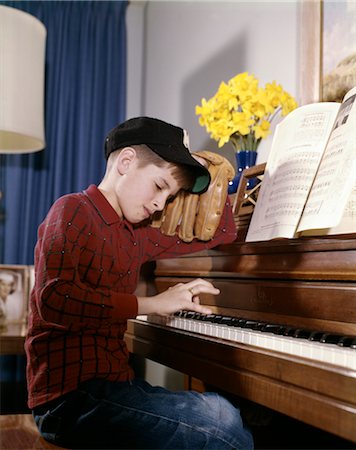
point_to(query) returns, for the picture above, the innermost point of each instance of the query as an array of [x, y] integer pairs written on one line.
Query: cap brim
[[201, 183]]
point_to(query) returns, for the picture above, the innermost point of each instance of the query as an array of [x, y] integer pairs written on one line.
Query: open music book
[[309, 185]]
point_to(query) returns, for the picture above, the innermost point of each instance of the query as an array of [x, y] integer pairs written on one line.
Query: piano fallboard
[[294, 259], [306, 283]]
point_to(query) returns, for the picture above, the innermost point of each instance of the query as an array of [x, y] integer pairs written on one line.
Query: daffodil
[[241, 111]]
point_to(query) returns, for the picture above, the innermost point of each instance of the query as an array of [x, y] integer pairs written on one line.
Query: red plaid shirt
[[87, 265]]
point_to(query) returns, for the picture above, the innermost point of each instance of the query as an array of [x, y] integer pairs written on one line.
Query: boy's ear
[[125, 160]]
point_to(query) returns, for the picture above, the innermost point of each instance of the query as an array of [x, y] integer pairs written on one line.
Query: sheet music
[[297, 148], [347, 223], [330, 202]]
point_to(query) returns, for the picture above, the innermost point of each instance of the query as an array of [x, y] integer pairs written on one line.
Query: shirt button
[[128, 272], [69, 224], [103, 306], [135, 243], [178, 242]]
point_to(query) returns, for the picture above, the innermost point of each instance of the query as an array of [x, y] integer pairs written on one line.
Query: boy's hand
[[178, 297]]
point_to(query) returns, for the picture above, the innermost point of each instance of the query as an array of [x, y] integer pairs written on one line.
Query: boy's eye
[[170, 198], [158, 187]]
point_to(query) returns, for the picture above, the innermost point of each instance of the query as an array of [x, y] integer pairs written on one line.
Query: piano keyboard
[[315, 345]]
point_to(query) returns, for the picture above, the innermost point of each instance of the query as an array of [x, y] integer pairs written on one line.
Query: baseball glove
[[198, 216]]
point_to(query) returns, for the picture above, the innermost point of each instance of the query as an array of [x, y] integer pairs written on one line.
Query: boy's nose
[[159, 203]]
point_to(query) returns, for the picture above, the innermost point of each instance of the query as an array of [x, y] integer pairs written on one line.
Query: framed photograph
[[327, 50], [338, 57], [14, 292]]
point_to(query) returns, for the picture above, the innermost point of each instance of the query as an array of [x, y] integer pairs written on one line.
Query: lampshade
[[22, 68]]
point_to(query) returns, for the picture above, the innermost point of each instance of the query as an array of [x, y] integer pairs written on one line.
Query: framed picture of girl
[[14, 291]]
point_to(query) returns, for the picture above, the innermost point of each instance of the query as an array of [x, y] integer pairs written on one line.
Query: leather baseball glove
[[198, 216]]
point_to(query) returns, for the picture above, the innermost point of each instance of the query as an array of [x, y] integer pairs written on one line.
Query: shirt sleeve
[[158, 246], [61, 295]]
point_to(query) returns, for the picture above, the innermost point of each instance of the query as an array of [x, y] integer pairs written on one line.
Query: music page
[[332, 198], [298, 144], [347, 223]]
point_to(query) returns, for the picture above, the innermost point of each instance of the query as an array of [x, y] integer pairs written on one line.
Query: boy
[[88, 257]]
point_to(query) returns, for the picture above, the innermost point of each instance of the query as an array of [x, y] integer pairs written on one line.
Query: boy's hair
[[146, 156], [166, 140]]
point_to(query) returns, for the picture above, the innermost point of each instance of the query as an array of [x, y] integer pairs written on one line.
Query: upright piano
[[282, 332]]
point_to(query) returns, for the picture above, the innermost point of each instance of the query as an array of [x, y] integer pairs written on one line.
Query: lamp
[[22, 63]]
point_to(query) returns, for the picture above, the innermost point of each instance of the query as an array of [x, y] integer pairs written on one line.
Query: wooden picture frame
[[310, 51], [318, 37], [14, 293]]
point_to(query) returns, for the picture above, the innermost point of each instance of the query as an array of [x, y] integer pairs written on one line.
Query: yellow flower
[[241, 111], [262, 129]]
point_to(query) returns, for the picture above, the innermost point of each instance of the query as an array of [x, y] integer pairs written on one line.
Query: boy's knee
[[229, 423]]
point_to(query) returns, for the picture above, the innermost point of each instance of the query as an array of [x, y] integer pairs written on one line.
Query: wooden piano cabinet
[[316, 394], [307, 283], [272, 430]]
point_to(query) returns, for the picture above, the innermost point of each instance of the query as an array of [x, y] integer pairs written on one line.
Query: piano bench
[[19, 432]]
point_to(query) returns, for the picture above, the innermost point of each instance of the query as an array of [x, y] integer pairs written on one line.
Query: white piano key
[[317, 351]]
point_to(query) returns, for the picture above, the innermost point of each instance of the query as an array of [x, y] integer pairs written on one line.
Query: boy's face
[[145, 190]]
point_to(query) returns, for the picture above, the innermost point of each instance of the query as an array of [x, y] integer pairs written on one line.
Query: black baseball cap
[[168, 141]]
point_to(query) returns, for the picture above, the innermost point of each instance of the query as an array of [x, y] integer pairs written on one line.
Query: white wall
[[189, 47], [180, 51]]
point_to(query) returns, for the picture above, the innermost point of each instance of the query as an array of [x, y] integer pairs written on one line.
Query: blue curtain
[[85, 97]]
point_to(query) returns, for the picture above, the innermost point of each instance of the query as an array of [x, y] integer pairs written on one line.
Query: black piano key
[[208, 318], [199, 316], [217, 318], [226, 320], [278, 329], [329, 338], [302, 333], [272, 328], [288, 331], [249, 324], [316, 336], [238, 322], [254, 325], [347, 341], [283, 330], [260, 326]]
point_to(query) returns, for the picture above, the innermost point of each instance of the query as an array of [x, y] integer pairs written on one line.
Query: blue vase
[[244, 159]]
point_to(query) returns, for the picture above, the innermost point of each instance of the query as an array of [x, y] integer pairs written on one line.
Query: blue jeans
[[103, 414]]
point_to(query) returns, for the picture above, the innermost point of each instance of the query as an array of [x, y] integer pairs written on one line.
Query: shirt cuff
[[125, 306]]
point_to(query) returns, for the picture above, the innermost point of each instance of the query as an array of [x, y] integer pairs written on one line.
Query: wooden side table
[[12, 339]]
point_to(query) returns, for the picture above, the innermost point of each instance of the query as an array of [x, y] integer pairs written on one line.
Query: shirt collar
[[101, 204]]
